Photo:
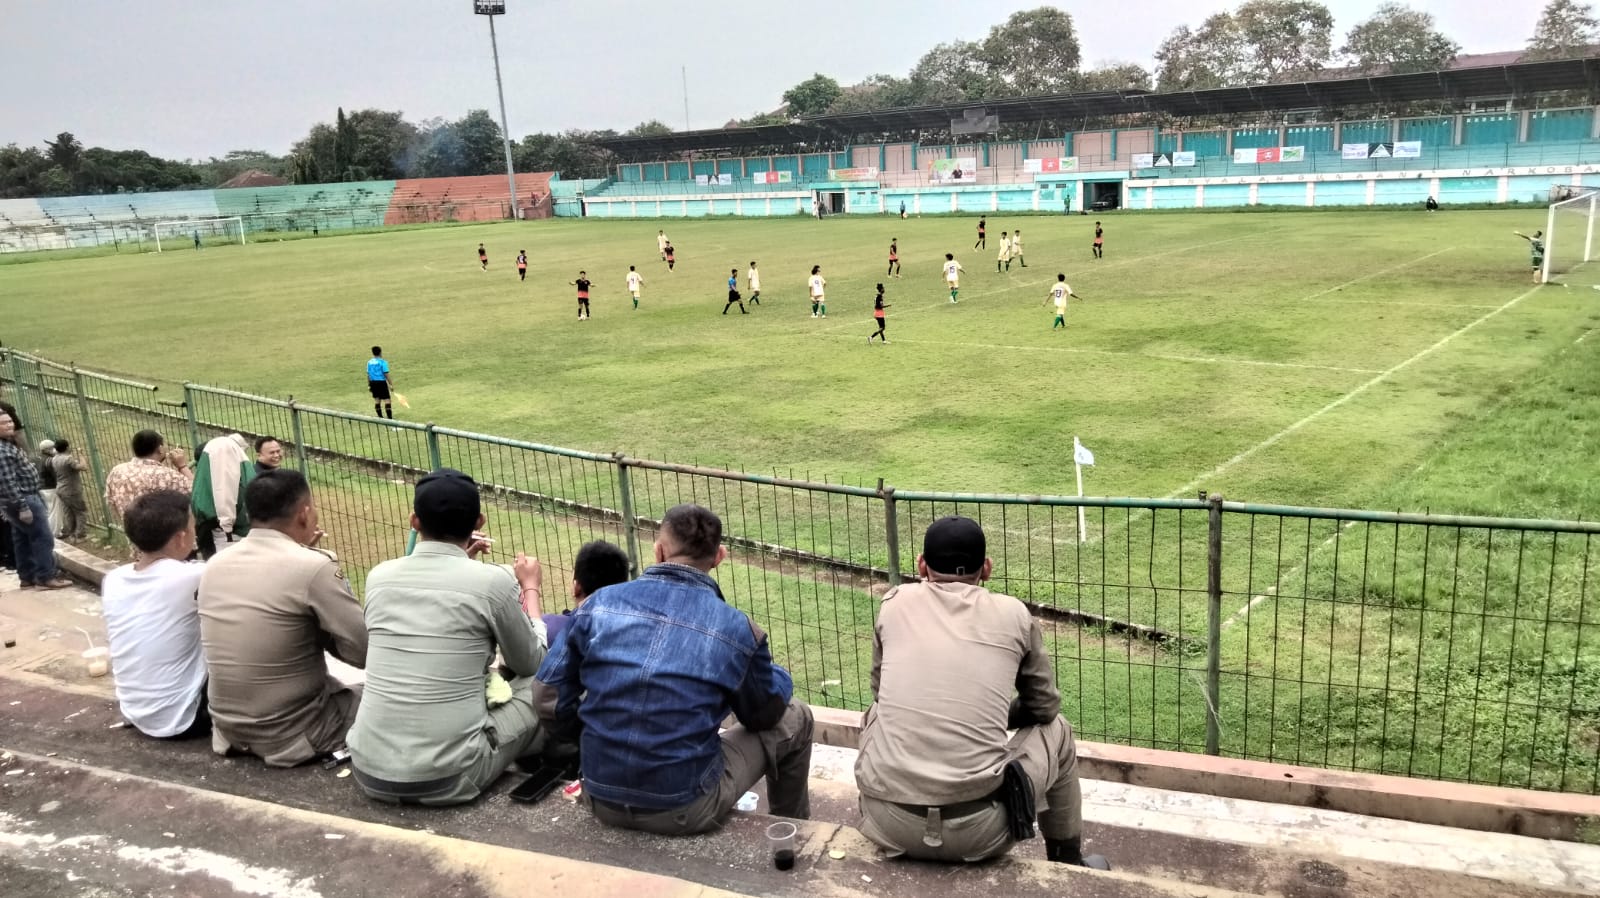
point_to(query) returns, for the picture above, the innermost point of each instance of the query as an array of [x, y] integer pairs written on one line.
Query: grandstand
[[481, 198]]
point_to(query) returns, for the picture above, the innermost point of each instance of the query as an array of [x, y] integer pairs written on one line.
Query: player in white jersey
[[635, 279], [1059, 291], [819, 302], [1004, 258], [952, 275], [753, 278], [1016, 248], [661, 244]]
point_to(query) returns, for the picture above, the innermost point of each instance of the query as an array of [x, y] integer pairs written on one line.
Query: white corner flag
[[1081, 456], [1081, 453]]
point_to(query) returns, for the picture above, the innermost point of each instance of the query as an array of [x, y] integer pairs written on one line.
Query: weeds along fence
[[1454, 648]]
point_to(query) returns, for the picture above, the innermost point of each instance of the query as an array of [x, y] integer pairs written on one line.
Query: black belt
[[950, 811]]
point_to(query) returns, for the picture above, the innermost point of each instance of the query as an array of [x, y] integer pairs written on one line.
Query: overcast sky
[[189, 80]]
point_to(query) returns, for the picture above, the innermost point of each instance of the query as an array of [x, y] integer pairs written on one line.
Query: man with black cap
[[435, 619], [940, 778]]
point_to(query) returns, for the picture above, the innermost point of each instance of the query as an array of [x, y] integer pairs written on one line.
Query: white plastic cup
[[97, 662]]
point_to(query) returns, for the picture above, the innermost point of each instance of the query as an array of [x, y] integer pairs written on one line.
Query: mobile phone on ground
[[541, 783]]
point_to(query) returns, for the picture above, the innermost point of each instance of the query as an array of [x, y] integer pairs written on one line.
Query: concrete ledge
[[91, 569], [1522, 812]]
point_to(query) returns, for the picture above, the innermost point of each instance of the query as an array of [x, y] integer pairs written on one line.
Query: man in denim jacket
[[648, 671]]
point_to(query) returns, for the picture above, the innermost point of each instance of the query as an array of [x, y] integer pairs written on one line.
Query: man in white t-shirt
[[952, 275], [153, 622], [819, 302], [753, 277], [635, 279]]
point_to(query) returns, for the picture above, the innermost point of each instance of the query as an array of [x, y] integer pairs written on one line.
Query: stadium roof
[[1478, 82]]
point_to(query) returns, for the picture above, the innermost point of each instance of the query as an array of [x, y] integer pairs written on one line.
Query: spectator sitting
[[268, 607], [651, 668], [269, 454], [153, 622], [144, 474], [69, 491], [1432, 204], [598, 564], [220, 479], [435, 618], [23, 510], [953, 787], [47, 484]]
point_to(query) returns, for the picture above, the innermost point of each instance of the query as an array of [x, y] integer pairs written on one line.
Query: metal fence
[[1463, 649]]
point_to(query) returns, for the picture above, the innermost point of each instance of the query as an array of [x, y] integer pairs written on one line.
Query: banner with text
[[1049, 166], [1163, 160], [853, 174], [772, 177], [951, 171], [1261, 155], [1405, 149]]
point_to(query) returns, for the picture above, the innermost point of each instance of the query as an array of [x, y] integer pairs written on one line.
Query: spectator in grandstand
[[955, 787], [379, 384], [656, 664], [269, 454], [733, 293], [635, 281], [435, 621], [753, 279], [145, 473], [220, 479], [1535, 251], [268, 608], [153, 622], [69, 470], [483, 257], [33, 545], [47, 484], [597, 565]]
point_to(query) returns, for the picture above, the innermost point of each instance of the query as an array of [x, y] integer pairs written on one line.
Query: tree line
[[1033, 52]]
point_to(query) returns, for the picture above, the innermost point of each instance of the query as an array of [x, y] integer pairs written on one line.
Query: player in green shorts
[[1535, 252]]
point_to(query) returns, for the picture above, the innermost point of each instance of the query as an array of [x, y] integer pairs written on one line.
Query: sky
[[191, 80]]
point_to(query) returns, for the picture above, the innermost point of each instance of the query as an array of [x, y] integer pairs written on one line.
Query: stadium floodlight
[[1569, 234], [492, 8]]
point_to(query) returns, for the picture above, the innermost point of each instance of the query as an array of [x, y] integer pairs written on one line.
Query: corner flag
[[1081, 453]]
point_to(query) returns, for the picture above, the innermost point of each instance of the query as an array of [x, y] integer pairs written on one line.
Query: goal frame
[[155, 228], [1589, 200]]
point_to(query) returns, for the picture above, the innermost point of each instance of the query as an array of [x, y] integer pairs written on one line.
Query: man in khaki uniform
[[269, 607], [940, 779]]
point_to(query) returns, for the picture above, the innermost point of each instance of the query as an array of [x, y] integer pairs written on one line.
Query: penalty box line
[[1203, 360]]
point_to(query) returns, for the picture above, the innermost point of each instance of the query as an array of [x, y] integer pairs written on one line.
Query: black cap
[[446, 495], [954, 545]]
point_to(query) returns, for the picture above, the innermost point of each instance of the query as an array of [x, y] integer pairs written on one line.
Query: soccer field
[[1312, 358]]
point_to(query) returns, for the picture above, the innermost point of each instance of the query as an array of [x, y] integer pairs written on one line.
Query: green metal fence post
[[630, 530], [299, 436], [891, 530], [96, 471], [435, 459], [1213, 624], [194, 422], [21, 400]]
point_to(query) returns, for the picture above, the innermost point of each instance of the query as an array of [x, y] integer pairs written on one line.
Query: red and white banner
[[1049, 166], [1269, 154], [772, 177]]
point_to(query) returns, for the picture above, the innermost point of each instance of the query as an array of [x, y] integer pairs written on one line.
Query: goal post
[[193, 233], [1569, 233]]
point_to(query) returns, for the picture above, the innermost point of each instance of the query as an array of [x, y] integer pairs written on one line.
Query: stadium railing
[[1455, 648]]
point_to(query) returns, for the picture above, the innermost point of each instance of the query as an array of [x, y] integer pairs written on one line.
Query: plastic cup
[[780, 836], [97, 661]]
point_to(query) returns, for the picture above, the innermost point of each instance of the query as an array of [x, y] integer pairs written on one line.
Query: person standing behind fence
[[23, 510], [220, 481], [379, 383], [955, 787], [69, 470], [145, 473], [269, 454], [47, 483]]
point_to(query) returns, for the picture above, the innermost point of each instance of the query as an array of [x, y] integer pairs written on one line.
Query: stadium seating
[[301, 207], [477, 198]]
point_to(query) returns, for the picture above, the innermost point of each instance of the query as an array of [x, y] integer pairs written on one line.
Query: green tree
[[652, 128], [318, 155], [382, 139], [1566, 29], [574, 154], [952, 73], [344, 147], [1033, 52], [1288, 39], [1399, 40], [1211, 56], [482, 151], [812, 96], [874, 92], [1115, 76], [65, 151], [20, 168]]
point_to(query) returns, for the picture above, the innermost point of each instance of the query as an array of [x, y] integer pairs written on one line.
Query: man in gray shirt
[[425, 733]]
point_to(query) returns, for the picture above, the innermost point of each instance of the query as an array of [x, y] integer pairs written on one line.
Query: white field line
[[1404, 305], [1585, 336], [1206, 360], [1368, 277], [1009, 284], [1272, 590], [1273, 440]]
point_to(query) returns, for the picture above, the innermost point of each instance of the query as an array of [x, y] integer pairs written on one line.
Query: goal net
[[196, 233], [1569, 232]]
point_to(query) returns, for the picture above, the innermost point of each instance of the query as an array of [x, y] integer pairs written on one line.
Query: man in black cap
[[940, 778], [425, 732]]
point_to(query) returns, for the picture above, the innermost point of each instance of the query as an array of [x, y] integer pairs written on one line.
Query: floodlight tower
[[492, 8]]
